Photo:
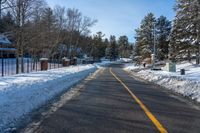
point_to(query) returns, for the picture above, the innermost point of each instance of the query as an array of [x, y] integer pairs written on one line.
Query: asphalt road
[[114, 102]]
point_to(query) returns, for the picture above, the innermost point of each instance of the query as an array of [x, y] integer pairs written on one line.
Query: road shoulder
[[44, 112]]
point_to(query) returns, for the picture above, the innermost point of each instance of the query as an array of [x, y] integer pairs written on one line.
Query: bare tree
[[39, 30], [77, 25], [22, 10], [83, 29], [34, 31], [73, 17], [59, 13]]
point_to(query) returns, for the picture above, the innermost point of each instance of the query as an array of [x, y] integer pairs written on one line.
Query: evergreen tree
[[145, 37], [98, 49], [6, 23], [106, 42], [163, 29], [48, 32], [113, 50], [137, 54], [123, 47], [185, 33]]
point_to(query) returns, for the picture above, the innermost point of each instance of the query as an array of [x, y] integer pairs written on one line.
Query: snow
[[44, 59], [131, 66], [4, 40], [125, 60], [103, 63], [187, 85], [21, 94], [8, 49]]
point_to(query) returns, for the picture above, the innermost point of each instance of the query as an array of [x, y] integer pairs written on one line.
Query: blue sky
[[118, 17]]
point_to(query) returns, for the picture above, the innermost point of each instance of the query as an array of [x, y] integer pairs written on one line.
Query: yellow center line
[[145, 109]]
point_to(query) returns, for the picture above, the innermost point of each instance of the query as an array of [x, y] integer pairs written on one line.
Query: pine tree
[[98, 49], [113, 50], [106, 42], [48, 28], [6, 23], [185, 32], [144, 37], [123, 47], [163, 29], [137, 57]]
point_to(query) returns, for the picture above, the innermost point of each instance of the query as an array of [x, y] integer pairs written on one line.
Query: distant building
[[6, 48]]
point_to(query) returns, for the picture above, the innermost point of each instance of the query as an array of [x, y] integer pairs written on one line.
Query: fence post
[[8, 64], [65, 62], [31, 64], [44, 64], [36, 64], [17, 65], [50, 62], [54, 63], [58, 62], [2, 62], [27, 65]]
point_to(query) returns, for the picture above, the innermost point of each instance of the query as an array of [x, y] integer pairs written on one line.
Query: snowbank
[[188, 85], [130, 67], [125, 60], [20, 94], [103, 63]]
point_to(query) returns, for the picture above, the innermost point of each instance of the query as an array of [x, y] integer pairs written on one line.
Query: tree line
[[110, 48], [177, 40], [37, 30]]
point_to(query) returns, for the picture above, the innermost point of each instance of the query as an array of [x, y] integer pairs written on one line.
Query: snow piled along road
[[187, 85], [21, 94]]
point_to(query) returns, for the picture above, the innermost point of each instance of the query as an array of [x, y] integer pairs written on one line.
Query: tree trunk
[[198, 46], [198, 34], [22, 61], [198, 55], [0, 9], [189, 56], [70, 46], [17, 63]]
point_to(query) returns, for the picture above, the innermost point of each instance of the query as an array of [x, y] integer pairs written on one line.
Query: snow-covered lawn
[[187, 85], [125, 60], [21, 94]]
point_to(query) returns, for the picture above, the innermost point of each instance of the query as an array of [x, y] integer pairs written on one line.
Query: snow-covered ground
[[21, 94], [125, 60], [188, 85], [103, 63]]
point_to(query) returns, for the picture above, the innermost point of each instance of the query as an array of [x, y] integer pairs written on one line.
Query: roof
[[7, 49], [4, 40]]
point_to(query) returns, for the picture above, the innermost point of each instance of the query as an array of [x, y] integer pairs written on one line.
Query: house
[[6, 48]]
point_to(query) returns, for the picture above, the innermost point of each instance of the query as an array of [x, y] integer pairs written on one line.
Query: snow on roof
[[7, 49], [4, 40]]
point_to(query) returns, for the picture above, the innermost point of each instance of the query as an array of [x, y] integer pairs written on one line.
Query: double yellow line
[[145, 109]]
